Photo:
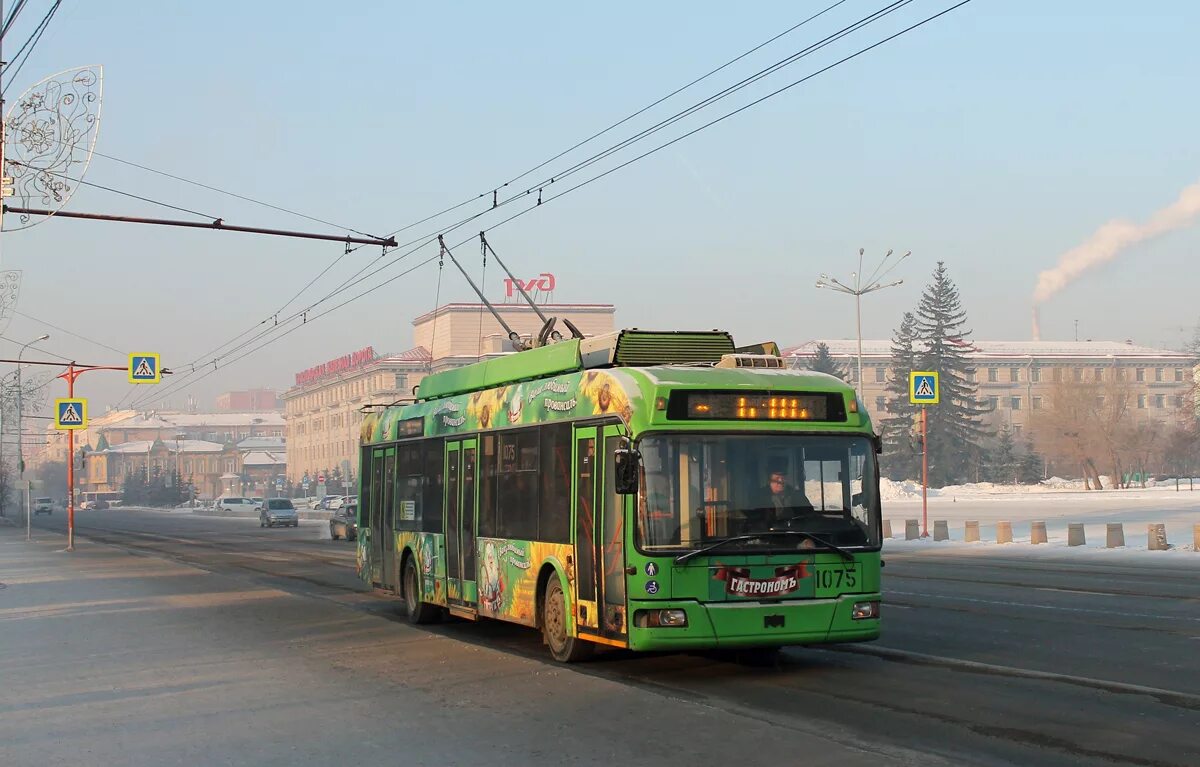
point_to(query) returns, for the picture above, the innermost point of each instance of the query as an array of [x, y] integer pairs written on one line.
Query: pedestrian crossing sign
[[70, 414], [923, 388], [144, 368]]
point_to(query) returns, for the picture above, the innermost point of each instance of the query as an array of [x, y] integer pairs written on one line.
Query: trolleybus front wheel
[[564, 648], [418, 611]]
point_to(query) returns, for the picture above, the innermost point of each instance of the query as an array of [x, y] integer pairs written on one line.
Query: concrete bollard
[[1075, 534], [887, 528], [1004, 532], [971, 532], [941, 530], [1115, 539], [1037, 532], [1156, 537], [912, 529]]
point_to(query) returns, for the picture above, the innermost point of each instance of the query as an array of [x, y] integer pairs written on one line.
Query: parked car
[[343, 522], [93, 505], [327, 502], [335, 501], [43, 506], [235, 503], [278, 511]]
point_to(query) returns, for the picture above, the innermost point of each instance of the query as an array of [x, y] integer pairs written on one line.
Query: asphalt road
[[984, 661]]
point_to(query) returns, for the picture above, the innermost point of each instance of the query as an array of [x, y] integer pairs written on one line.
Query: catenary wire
[[30, 44], [614, 169], [353, 277]]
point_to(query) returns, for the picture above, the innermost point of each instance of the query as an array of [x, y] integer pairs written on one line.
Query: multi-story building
[[324, 409], [251, 467], [122, 426], [250, 400], [1014, 378]]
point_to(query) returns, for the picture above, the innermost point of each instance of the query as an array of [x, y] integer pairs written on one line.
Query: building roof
[[547, 309], [173, 420], [262, 443], [416, 354], [185, 446], [265, 458], [1079, 350]]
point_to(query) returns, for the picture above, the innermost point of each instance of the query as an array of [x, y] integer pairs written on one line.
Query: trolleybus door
[[610, 539], [375, 517], [599, 534], [391, 576], [460, 521]]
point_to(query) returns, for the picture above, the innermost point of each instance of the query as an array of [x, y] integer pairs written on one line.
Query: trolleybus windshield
[[701, 489]]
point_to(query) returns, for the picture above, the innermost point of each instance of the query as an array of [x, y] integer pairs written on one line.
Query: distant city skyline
[[941, 142]]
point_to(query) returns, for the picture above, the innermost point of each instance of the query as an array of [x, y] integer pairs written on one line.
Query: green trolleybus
[[645, 490]]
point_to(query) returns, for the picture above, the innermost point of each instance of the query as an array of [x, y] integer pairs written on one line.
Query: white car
[[235, 503], [336, 502]]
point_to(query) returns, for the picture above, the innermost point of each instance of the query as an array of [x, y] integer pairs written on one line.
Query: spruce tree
[[901, 455], [821, 361], [941, 342], [1031, 466], [1002, 462]]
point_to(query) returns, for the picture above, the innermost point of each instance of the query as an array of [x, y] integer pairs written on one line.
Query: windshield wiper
[[679, 560], [846, 555]]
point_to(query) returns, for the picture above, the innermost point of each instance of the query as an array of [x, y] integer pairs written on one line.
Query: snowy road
[[996, 659]]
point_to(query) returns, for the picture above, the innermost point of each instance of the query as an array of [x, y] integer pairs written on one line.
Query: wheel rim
[[556, 628], [410, 590]]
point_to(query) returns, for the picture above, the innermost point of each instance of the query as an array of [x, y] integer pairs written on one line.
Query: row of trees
[[1084, 428], [161, 489], [934, 337]]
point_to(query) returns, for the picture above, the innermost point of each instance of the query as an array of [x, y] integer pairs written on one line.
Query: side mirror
[[625, 462]]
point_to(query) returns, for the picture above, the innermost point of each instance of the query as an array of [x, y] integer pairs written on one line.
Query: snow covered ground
[[1057, 503]]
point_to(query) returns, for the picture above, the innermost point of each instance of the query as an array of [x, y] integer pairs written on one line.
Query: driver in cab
[[777, 504]]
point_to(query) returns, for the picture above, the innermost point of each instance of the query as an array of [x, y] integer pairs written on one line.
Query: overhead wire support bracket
[[513, 336]]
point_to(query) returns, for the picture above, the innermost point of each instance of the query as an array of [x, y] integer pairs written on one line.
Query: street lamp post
[[178, 477], [860, 288], [20, 436]]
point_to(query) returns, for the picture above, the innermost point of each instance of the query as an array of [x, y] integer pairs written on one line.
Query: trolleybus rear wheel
[[564, 648], [418, 611]]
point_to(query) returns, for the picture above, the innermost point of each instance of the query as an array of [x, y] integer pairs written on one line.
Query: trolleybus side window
[[554, 517], [517, 485], [487, 486], [431, 509], [408, 486], [366, 494]]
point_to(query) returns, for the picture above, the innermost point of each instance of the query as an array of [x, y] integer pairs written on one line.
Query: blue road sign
[[923, 387], [70, 414], [145, 368]]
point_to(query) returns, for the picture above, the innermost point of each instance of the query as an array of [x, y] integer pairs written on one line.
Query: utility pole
[[21, 430], [858, 289]]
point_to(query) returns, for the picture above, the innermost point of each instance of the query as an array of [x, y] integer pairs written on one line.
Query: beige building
[[324, 409], [1013, 377]]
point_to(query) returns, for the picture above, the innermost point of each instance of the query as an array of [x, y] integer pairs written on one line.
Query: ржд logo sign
[[543, 282]]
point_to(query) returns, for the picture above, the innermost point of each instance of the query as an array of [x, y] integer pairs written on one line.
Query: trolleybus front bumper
[[848, 618]]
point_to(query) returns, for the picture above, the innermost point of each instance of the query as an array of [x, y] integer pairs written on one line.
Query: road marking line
[[1170, 697], [1124, 614]]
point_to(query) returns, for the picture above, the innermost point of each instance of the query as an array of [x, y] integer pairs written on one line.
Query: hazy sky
[[995, 138]]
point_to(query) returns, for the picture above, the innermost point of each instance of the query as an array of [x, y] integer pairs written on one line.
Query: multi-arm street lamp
[[859, 287]]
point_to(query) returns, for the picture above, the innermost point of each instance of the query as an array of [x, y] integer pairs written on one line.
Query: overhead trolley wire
[[610, 170]]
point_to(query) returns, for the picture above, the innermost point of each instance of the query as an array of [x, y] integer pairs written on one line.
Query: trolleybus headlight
[[660, 619], [864, 610]]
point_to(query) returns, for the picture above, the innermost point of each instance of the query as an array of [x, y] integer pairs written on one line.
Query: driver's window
[[823, 484]]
